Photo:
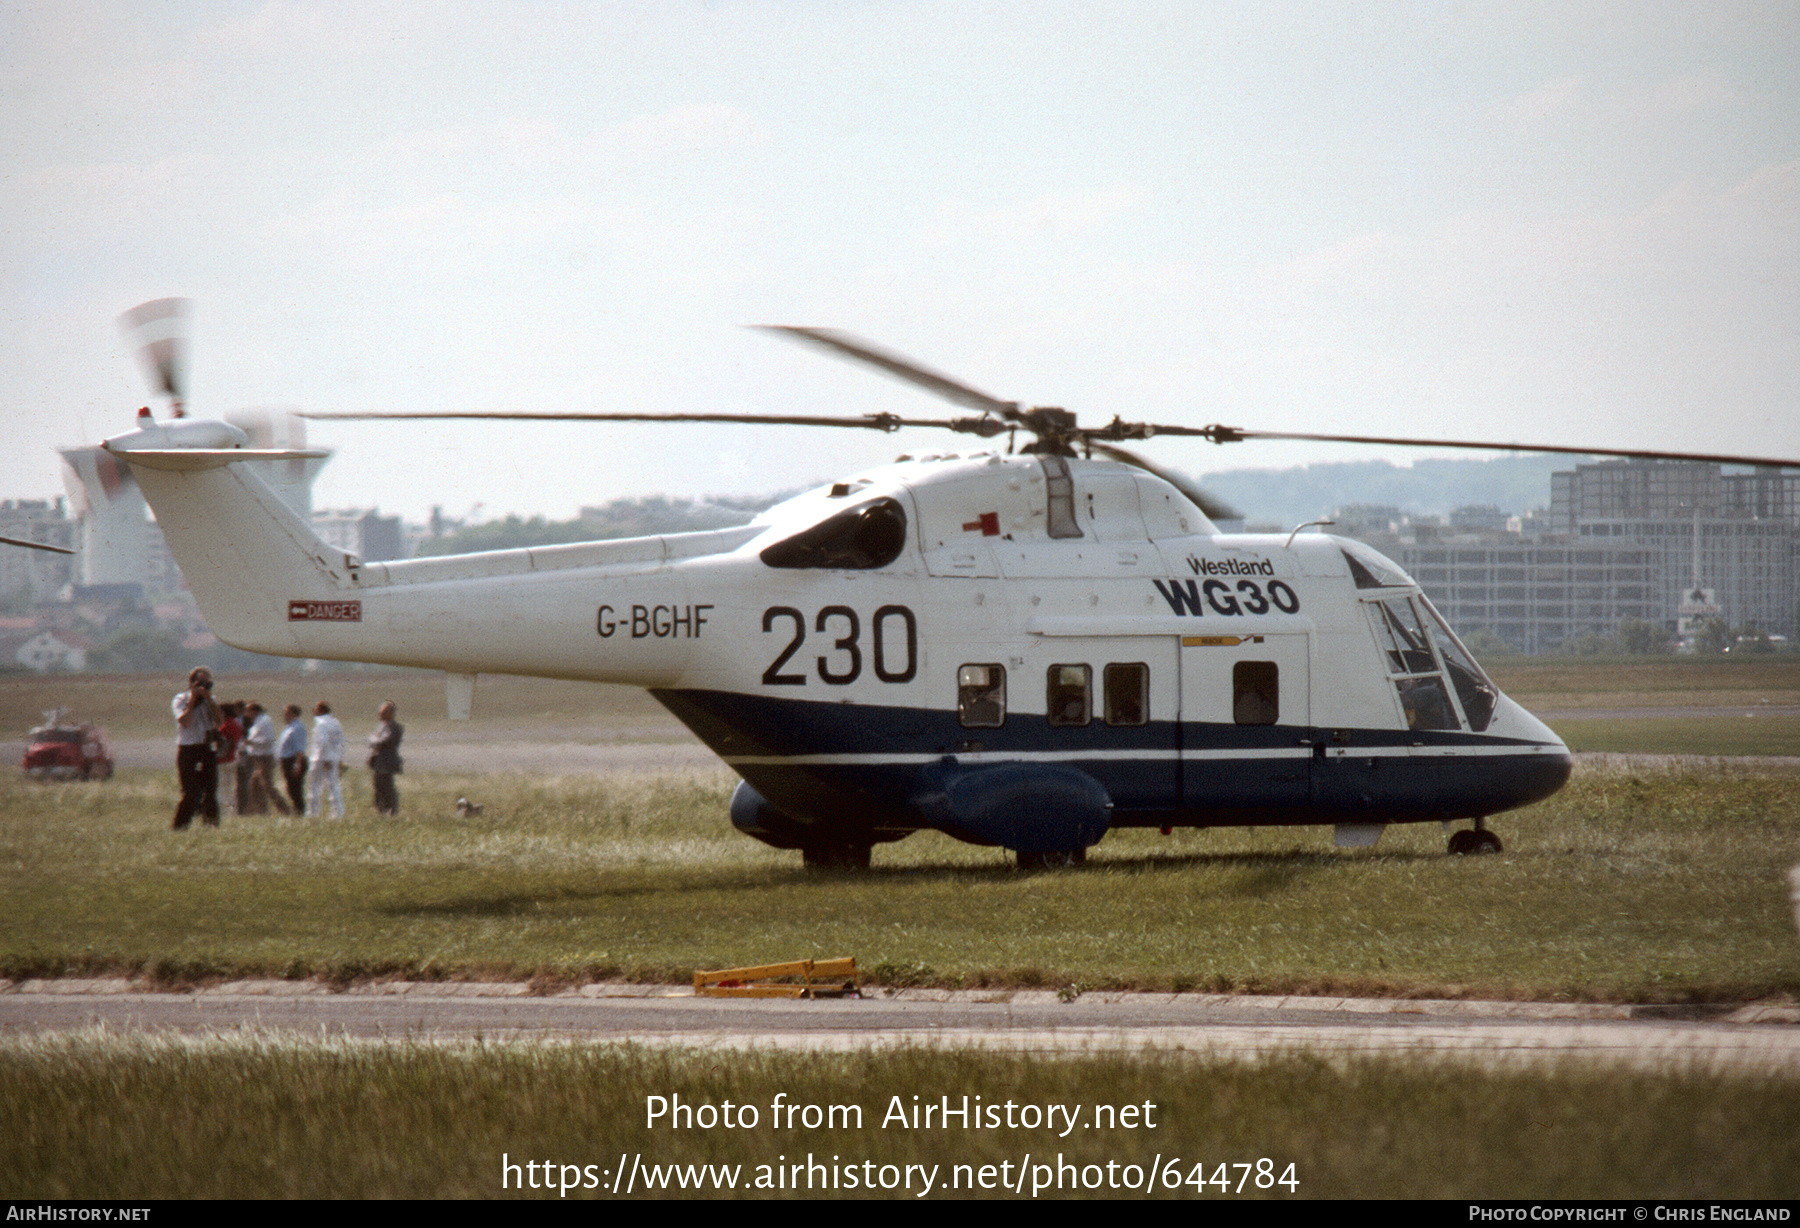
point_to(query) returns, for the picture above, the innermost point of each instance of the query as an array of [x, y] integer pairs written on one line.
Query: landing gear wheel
[[1471, 842], [1055, 859], [838, 855]]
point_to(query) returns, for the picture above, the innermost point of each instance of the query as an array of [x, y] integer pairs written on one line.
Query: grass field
[[250, 1115], [1640, 882]]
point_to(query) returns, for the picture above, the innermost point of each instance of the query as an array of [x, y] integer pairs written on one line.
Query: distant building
[[1736, 535], [1746, 565], [367, 534], [1479, 518], [1762, 494], [33, 576], [42, 650], [1646, 540], [1362, 520], [1537, 596]]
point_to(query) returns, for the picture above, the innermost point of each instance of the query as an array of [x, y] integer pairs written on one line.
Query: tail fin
[[244, 553]]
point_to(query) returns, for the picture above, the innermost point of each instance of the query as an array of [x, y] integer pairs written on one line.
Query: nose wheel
[[1475, 840]]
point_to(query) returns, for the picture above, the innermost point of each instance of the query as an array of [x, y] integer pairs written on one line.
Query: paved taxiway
[[1757, 1037]]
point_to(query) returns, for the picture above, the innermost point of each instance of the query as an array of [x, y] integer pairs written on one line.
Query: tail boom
[[264, 581]]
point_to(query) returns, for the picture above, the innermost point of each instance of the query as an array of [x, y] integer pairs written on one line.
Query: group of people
[[242, 735]]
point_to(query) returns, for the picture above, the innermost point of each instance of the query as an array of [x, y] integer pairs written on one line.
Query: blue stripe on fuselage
[[824, 760]]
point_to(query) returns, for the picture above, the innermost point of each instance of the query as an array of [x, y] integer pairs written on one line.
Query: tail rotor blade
[[159, 329]]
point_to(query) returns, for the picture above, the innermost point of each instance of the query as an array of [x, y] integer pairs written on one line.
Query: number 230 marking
[[844, 663]]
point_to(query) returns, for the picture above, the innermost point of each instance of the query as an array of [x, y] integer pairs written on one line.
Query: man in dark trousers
[[384, 760], [291, 751], [197, 722]]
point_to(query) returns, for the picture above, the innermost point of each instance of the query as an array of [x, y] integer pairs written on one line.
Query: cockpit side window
[[1473, 690], [859, 538], [1362, 575], [1407, 648], [1413, 666]]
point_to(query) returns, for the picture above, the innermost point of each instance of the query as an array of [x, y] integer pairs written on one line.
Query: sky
[[1562, 222]]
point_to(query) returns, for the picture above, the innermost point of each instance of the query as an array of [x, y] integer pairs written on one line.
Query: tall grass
[[253, 1115]]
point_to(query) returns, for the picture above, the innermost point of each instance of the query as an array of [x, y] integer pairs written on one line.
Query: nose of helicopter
[[1510, 720], [1543, 761]]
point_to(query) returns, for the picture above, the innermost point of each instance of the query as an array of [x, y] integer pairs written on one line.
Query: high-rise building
[[1733, 534]]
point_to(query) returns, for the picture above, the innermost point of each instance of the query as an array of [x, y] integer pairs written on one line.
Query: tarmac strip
[[1757, 1037]]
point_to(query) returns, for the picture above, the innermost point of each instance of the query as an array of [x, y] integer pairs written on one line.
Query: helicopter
[[1024, 647]]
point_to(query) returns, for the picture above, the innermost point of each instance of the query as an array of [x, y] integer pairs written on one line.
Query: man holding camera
[[197, 722]]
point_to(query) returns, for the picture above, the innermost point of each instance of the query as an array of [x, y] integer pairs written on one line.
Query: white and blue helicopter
[[1024, 648]]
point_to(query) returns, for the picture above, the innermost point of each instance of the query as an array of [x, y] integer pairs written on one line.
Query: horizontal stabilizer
[[182, 459]]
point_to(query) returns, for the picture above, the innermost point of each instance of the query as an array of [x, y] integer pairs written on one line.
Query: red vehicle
[[67, 750]]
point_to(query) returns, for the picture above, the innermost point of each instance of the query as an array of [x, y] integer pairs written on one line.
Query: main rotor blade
[[953, 391], [985, 427], [1232, 434], [1215, 508], [17, 541]]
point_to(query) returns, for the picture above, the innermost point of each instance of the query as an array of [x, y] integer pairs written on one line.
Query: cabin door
[[1246, 717]]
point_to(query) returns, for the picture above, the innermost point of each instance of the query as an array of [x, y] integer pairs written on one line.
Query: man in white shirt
[[197, 721], [327, 759], [259, 753]]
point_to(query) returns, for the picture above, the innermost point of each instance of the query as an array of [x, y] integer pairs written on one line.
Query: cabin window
[[981, 696], [858, 538], [1067, 697], [1127, 694], [1255, 693]]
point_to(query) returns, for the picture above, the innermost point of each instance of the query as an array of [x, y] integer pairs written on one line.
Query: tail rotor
[[159, 330]]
